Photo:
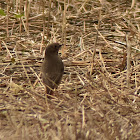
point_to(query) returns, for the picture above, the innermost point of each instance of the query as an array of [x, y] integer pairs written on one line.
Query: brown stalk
[[64, 28], [95, 43], [128, 61]]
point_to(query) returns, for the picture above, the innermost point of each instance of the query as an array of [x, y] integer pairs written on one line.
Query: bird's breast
[[53, 65]]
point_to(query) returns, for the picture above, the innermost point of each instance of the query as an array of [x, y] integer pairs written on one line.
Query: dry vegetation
[[98, 98]]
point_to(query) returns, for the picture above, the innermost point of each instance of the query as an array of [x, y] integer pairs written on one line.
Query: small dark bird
[[52, 68]]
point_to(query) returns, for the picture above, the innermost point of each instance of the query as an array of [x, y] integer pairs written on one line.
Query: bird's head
[[52, 49]]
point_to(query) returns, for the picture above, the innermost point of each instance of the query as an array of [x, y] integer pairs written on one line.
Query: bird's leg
[[49, 93]]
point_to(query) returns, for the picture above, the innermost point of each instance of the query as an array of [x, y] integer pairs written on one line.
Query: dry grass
[[98, 98]]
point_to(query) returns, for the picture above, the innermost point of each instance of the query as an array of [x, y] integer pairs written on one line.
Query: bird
[[52, 68]]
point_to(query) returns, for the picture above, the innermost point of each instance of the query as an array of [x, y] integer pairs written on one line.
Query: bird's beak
[[61, 45]]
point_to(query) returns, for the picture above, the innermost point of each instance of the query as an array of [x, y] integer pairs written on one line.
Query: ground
[[98, 98]]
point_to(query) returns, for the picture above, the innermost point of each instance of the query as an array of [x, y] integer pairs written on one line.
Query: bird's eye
[[55, 46]]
